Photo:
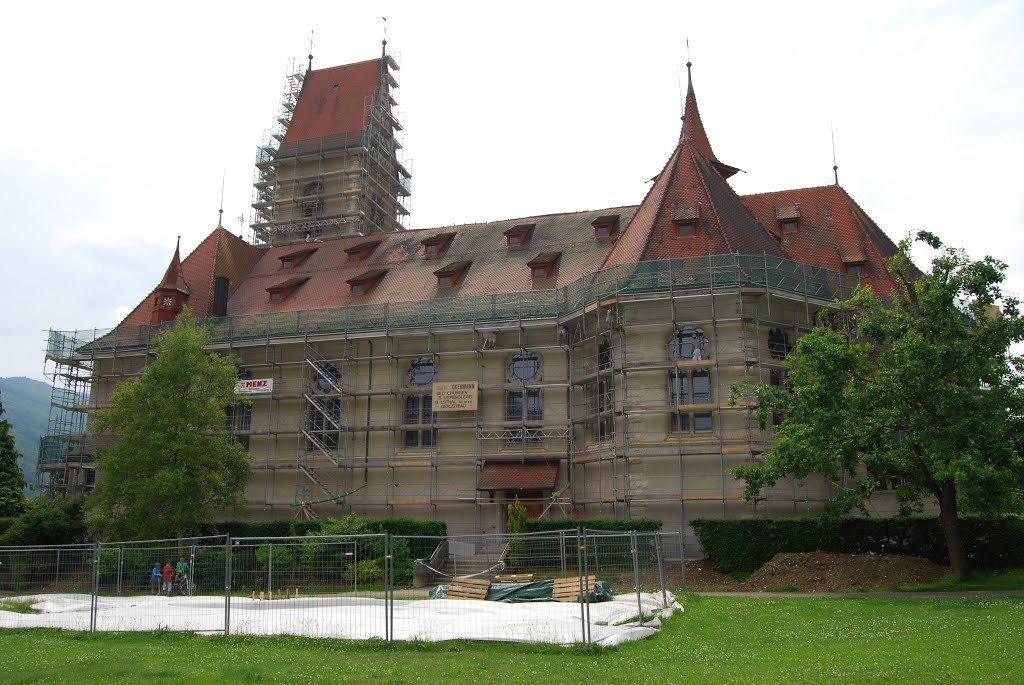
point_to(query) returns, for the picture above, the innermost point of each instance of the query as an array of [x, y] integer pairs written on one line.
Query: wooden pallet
[[514, 578], [468, 588], [568, 589]]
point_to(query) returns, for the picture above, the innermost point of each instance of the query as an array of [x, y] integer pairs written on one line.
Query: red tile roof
[[832, 232], [692, 182], [507, 475], [173, 278], [220, 254], [333, 101]]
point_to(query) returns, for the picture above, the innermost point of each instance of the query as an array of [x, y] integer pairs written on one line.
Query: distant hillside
[[27, 407]]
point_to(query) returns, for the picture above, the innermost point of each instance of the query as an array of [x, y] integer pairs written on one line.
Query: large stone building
[[579, 361]]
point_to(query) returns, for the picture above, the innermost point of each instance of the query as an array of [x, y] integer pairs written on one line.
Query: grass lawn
[[717, 640]]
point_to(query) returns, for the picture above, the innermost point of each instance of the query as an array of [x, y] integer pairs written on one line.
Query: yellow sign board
[[459, 396]]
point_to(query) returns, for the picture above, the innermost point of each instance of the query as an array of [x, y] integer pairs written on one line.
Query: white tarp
[[353, 618]]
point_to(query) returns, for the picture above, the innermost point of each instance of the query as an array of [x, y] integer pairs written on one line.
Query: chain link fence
[[570, 586]]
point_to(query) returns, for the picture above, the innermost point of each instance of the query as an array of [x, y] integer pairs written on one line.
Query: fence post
[[389, 597], [227, 585], [682, 560], [581, 572], [633, 543], [94, 600], [56, 572], [661, 568], [120, 569], [270, 568]]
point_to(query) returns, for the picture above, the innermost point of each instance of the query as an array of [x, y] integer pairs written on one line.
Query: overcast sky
[[118, 121]]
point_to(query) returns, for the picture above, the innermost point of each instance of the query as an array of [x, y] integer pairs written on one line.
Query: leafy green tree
[[516, 526], [48, 521], [174, 464], [12, 480], [926, 391]]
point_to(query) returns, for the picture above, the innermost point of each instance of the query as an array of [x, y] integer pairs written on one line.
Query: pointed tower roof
[[693, 128], [174, 278], [692, 187], [220, 254]]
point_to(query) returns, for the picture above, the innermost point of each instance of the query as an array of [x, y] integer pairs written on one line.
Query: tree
[[516, 527], [12, 480], [48, 521], [174, 463], [925, 392]]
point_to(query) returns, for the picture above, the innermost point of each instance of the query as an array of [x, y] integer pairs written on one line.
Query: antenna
[[835, 167], [220, 212]]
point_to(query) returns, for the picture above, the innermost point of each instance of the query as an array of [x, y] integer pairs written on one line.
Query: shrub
[[746, 544], [48, 521], [642, 525]]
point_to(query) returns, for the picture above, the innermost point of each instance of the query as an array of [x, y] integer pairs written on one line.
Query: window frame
[[420, 408], [683, 391]]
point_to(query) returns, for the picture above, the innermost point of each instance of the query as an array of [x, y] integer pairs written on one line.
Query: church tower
[[331, 167]]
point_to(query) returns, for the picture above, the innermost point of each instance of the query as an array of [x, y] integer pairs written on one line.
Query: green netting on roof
[[676, 275]]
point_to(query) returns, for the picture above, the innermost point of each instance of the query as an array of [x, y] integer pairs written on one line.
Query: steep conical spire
[[693, 128], [691, 210], [174, 278], [172, 292]]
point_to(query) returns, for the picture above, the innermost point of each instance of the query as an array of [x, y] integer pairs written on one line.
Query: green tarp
[[538, 591]]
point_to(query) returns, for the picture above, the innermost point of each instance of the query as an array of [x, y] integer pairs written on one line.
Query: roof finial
[[835, 167], [310, 68], [384, 42], [220, 212]]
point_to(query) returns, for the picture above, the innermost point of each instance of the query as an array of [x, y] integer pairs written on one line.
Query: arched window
[[688, 343], [524, 366], [328, 377], [604, 354], [312, 202], [779, 346]]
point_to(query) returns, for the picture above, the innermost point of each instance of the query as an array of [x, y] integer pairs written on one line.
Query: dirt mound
[[819, 572]]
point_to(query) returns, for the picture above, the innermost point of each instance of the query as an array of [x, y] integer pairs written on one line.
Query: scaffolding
[[588, 377], [349, 183]]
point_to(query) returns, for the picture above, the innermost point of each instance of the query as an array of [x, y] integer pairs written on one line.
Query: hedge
[[746, 544], [617, 525], [288, 528]]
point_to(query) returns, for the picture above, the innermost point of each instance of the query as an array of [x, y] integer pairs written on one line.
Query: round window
[[524, 367], [422, 371]]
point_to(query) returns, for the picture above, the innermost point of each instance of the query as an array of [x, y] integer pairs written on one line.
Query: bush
[[747, 544], [615, 525], [48, 521]]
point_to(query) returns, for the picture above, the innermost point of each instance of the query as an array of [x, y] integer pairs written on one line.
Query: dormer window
[[518, 235], [685, 217], [605, 226], [855, 270], [358, 253], [435, 245], [788, 217], [293, 259], [450, 275], [543, 265], [363, 283], [283, 290]]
